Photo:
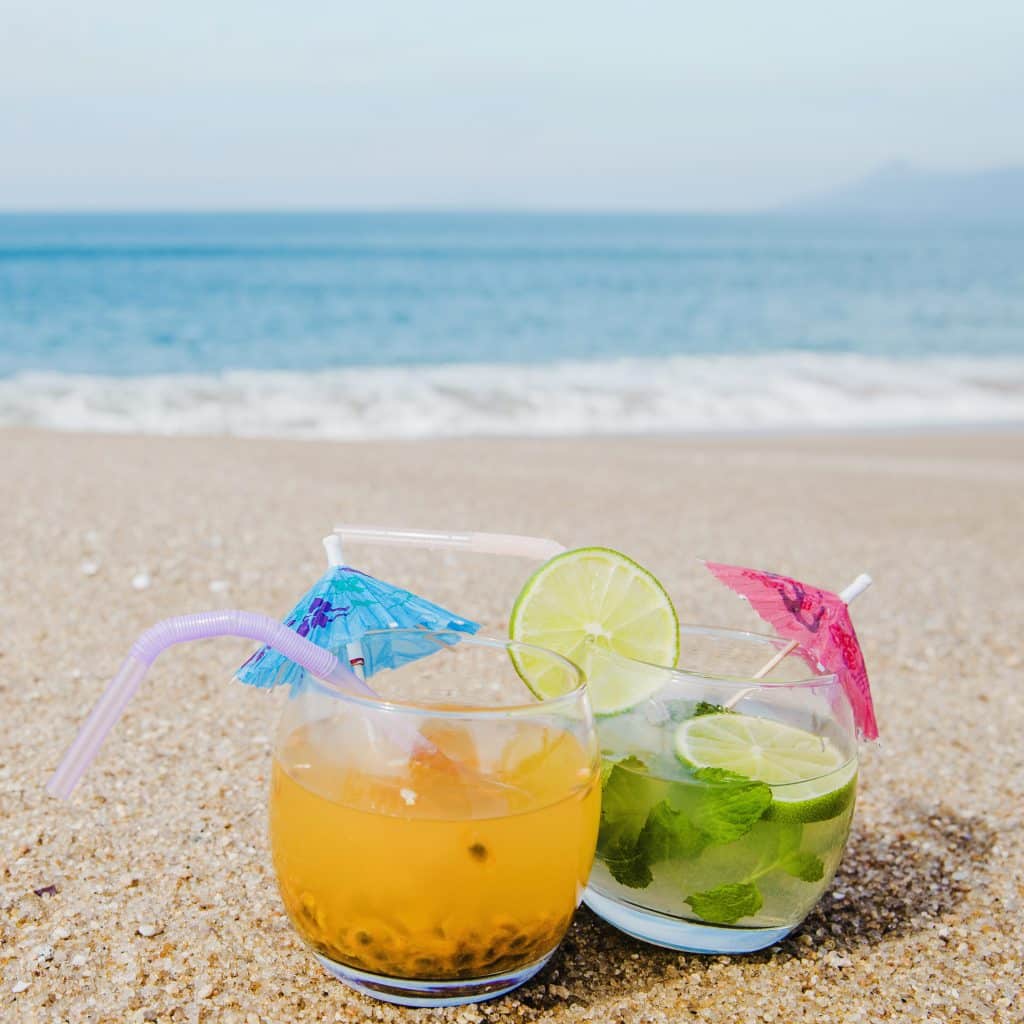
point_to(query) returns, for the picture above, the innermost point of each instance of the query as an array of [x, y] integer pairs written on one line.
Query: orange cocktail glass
[[432, 847]]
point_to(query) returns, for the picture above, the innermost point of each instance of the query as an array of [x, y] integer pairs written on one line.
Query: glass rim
[[735, 681], [541, 705]]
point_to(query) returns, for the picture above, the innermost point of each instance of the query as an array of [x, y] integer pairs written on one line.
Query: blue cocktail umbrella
[[343, 605]]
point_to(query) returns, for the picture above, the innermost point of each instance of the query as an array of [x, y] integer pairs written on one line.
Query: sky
[[200, 104]]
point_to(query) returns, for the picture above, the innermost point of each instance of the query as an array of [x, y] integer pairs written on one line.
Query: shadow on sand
[[889, 884]]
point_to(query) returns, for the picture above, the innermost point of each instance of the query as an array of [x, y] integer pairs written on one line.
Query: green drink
[[701, 845], [720, 828]]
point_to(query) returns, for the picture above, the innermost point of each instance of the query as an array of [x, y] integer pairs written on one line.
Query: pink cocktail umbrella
[[818, 624]]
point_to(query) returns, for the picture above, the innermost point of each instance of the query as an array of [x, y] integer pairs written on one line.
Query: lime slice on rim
[[811, 779], [594, 598]]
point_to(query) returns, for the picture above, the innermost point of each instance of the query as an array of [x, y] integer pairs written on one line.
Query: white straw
[[510, 544]]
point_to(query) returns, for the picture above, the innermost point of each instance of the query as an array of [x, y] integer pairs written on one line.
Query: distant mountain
[[902, 191]]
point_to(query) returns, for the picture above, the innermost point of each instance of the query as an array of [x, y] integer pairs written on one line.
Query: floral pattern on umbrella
[[343, 605], [818, 620]]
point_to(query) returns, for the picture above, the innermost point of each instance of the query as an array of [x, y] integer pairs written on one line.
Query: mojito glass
[[431, 847], [726, 801]]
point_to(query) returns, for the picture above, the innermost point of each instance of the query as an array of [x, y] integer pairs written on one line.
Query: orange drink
[[431, 873], [447, 853]]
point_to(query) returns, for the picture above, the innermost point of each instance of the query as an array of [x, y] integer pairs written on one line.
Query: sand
[[151, 897]]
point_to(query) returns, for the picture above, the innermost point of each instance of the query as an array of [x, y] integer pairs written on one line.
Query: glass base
[[675, 933], [423, 992]]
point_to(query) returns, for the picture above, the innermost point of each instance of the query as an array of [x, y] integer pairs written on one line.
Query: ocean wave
[[787, 391]]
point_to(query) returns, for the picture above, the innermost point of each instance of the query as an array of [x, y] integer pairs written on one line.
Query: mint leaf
[[668, 834], [705, 707], [782, 853], [627, 864], [631, 763], [726, 904], [805, 866], [627, 796], [728, 807]]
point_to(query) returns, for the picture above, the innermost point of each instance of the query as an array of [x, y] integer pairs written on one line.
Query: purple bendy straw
[[200, 626]]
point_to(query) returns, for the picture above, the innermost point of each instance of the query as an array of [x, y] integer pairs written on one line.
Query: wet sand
[[151, 896]]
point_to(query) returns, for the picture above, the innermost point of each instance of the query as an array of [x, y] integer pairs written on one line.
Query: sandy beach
[[150, 896]]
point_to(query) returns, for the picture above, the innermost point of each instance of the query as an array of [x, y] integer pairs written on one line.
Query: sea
[[416, 325]]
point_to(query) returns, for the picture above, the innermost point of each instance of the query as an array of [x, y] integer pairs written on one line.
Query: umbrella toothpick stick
[[353, 649], [848, 594], [335, 554]]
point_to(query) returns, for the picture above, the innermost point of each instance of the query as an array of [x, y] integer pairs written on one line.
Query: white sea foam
[[787, 391]]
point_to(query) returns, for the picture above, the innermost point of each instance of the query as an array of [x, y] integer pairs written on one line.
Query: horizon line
[[397, 208]]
